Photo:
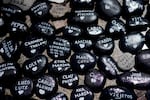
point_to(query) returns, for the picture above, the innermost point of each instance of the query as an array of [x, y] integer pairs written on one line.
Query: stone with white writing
[[142, 61], [104, 46], [44, 29], [82, 4], [108, 65], [95, 80], [59, 48], [82, 61], [58, 67], [82, 93], [33, 45], [9, 73], [133, 8], [18, 29], [136, 80], [39, 11], [68, 80], [45, 86], [72, 32], [85, 17], [94, 31], [137, 23], [22, 88], [58, 96], [132, 42], [11, 12], [108, 8], [35, 66], [82, 44], [116, 28], [117, 93], [10, 49]]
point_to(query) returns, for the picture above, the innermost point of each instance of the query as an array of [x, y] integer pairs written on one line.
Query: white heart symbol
[[82, 45], [81, 98], [34, 69], [105, 45], [40, 13], [69, 84], [1, 74], [20, 92], [82, 17], [70, 31], [59, 68], [33, 51], [93, 80], [82, 66], [2, 50], [41, 91]]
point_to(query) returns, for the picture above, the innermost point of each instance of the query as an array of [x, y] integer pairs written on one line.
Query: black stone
[[8, 97], [44, 29], [104, 46], [82, 4], [3, 26], [58, 96], [23, 88], [95, 80], [108, 8], [108, 65], [132, 42], [147, 95], [68, 80], [59, 48], [116, 28], [11, 12], [146, 2], [147, 38], [82, 44], [82, 61], [137, 23], [35, 66], [133, 8], [33, 45], [82, 93], [58, 67], [10, 49], [117, 92], [2, 91], [18, 29], [45, 86], [136, 80]]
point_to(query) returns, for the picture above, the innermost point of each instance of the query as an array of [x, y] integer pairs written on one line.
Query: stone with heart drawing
[[35, 66], [58, 96]]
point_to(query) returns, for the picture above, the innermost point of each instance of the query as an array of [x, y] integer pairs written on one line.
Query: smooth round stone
[[108, 9], [94, 31], [137, 23], [9, 73], [82, 61], [23, 88], [39, 11], [82, 44], [108, 65], [11, 12], [147, 38], [82, 93], [58, 1], [117, 92], [132, 42], [68, 80], [95, 80], [133, 8], [35, 66], [3, 29], [72, 32], [104, 46], [142, 61], [45, 86], [58, 67], [86, 17], [33, 45], [135, 80], [116, 28], [82, 4], [44, 29], [18, 29], [58, 96], [10, 49], [59, 48]]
